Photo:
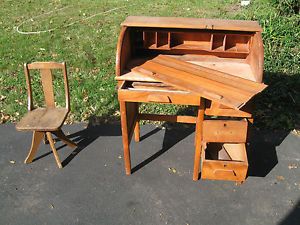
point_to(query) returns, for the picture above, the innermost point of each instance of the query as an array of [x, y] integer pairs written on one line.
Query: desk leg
[[125, 137], [129, 116], [137, 126], [137, 131], [198, 139]]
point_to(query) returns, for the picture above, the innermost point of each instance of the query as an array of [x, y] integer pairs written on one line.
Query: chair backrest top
[[45, 65], [47, 81]]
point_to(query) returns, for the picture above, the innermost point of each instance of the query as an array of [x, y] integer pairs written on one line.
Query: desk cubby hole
[[237, 43], [163, 40], [149, 39], [218, 42], [190, 40]]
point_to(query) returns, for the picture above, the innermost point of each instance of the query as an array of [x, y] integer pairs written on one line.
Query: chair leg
[[60, 134], [51, 142], [137, 131], [36, 140]]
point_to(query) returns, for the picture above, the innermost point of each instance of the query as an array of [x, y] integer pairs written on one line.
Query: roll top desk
[[206, 63]]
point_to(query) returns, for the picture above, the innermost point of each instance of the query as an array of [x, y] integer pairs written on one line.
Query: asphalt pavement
[[92, 188]]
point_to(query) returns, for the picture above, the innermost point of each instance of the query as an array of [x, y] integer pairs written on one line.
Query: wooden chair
[[48, 120]]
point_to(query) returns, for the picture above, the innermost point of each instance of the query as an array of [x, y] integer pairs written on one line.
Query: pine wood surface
[[48, 120], [192, 23], [42, 119], [211, 84]]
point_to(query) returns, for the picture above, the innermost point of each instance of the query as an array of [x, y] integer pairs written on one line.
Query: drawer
[[224, 161], [159, 94], [225, 130]]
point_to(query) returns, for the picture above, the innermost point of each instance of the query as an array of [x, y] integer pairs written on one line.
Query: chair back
[[45, 69]]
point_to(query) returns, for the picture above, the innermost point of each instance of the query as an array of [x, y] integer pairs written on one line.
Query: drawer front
[[215, 169], [225, 131], [158, 97], [224, 170]]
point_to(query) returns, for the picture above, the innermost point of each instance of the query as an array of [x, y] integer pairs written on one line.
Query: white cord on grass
[[67, 25]]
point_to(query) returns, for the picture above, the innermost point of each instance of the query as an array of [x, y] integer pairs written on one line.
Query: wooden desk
[[226, 46]]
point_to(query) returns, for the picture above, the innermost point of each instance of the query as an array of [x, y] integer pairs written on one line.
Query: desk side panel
[[123, 50], [256, 57]]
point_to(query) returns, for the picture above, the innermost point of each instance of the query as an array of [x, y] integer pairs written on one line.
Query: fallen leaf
[[280, 178], [293, 166], [2, 97], [173, 170]]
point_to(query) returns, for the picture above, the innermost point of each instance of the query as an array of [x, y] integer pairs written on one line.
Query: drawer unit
[[225, 131], [129, 93], [223, 161]]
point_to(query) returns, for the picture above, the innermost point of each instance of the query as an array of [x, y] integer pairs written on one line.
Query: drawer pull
[[159, 98]]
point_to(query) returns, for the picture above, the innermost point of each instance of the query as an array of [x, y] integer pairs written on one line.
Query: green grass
[[89, 48]]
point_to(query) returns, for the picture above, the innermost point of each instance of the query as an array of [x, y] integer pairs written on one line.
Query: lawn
[[88, 45]]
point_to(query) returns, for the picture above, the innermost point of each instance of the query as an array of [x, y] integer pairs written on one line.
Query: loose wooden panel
[[238, 69], [211, 84], [216, 169], [225, 131], [171, 97], [132, 76], [211, 74], [216, 109], [43, 119], [191, 23]]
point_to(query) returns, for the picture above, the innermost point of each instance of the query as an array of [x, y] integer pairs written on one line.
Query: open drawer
[[132, 91], [222, 161]]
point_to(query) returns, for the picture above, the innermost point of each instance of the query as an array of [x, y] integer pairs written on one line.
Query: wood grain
[[43, 119], [205, 82], [191, 23], [47, 120], [225, 169], [225, 131]]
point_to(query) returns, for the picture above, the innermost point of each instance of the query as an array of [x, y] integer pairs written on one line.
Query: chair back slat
[[47, 83]]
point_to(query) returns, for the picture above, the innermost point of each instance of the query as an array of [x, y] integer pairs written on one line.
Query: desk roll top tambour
[[216, 65]]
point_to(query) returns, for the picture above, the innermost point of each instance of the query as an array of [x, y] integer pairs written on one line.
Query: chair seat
[[43, 119]]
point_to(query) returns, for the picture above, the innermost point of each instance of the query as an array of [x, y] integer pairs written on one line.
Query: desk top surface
[[192, 23]]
